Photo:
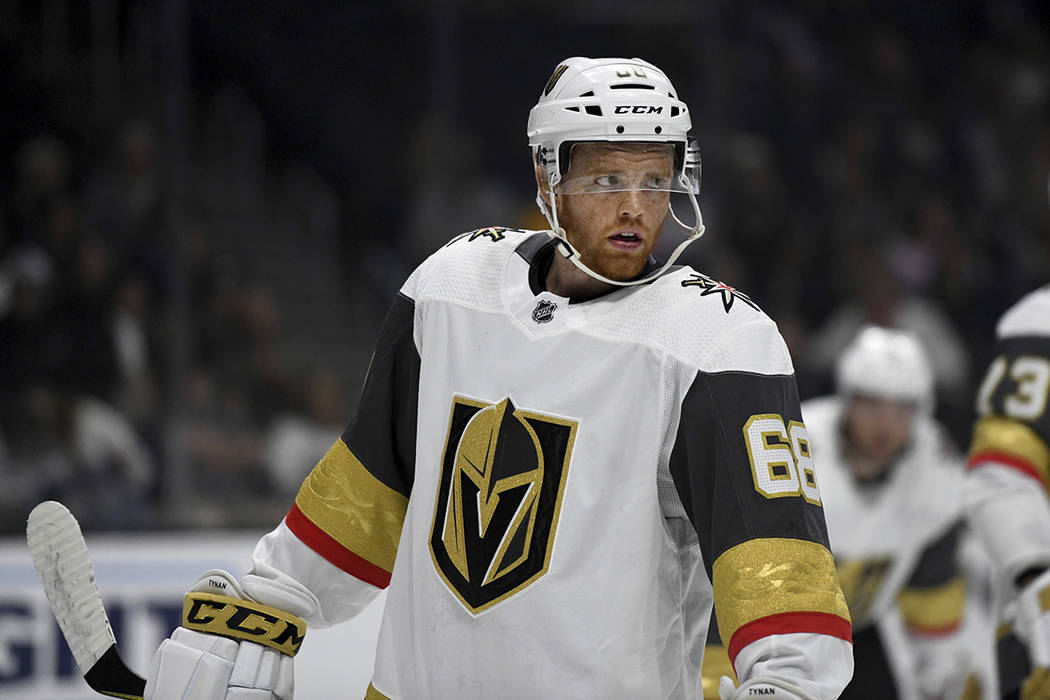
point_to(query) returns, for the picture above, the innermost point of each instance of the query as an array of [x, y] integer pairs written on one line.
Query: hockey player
[[891, 485], [891, 488], [1009, 471], [564, 452]]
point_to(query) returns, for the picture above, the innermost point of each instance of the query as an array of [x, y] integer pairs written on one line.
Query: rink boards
[[142, 580]]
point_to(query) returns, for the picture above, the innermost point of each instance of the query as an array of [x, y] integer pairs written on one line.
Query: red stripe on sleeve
[[789, 623], [324, 544], [1007, 460], [934, 632]]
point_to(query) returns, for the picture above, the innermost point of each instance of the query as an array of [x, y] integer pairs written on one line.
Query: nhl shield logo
[[544, 311], [503, 476]]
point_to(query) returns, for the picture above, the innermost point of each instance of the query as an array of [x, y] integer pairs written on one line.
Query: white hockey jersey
[[555, 491], [893, 539]]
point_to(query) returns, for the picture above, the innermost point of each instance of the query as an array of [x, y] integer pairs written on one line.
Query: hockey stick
[[61, 558]]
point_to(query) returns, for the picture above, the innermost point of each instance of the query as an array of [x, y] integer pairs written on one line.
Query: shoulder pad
[[469, 263], [711, 326]]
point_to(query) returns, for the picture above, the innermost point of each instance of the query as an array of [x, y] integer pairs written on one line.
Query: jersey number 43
[[1030, 377]]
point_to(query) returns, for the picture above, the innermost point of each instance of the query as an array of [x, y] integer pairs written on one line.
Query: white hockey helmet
[[886, 363], [612, 99]]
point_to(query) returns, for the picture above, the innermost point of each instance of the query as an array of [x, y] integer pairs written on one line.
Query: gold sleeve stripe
[[771, 584], [373, 694], [934, 611], [1014, 444], [348, 515], [716, 664]]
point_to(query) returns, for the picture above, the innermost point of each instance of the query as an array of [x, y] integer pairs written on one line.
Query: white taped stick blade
[[61, 558]]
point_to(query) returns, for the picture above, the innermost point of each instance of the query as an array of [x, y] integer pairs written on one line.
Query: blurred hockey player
[[1006, 486], [891, 484], [564, 453], [892, 487]]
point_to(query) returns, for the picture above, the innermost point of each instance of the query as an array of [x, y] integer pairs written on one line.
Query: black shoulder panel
[[383, 432], [715, 462], [938, 563]]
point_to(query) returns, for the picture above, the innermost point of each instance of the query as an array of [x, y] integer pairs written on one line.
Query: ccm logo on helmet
[[637, 109], [243, 619]]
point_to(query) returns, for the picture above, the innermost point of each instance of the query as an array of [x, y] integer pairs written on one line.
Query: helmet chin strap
[[569, 251]]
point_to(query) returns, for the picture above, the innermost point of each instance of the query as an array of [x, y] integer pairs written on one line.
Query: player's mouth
[[626, 239]]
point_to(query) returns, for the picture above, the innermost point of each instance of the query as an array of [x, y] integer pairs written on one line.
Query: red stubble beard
[[609, 257]]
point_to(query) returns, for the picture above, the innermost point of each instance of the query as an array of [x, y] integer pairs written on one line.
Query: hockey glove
[[761, 687], [228, 648]]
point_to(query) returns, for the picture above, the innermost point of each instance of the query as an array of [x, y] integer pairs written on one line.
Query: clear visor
[[604, 182]]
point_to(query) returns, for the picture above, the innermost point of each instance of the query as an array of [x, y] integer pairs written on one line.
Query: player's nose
[[631, 204]]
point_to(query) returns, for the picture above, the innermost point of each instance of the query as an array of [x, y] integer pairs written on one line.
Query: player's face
[[878, 428], [615, 208]]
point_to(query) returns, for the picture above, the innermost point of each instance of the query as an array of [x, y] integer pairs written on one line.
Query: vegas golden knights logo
[[861, 580], [502, 481]]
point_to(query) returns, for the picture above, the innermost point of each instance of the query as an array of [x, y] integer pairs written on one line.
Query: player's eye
[[656, 183], [607, 180]]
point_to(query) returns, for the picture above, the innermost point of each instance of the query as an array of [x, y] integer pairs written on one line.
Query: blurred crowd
[[857, 169], [86, 372]]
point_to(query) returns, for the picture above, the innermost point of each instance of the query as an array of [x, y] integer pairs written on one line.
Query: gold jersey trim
[[373, 694], [771, 576], [934, 609], [861, 580], [996, 434], [353, 507]]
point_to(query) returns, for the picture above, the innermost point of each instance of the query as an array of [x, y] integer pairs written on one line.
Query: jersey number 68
[[781, 461]]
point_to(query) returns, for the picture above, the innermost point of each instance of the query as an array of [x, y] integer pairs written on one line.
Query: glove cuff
[[767, 687], [238, 617]]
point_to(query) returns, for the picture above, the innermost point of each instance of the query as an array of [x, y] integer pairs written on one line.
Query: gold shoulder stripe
[[239, 619], [771, 576], [353, 507], [993, 434], [934, 610]]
